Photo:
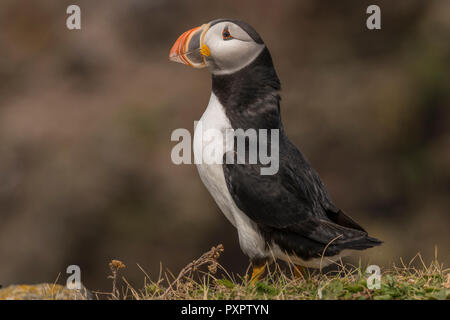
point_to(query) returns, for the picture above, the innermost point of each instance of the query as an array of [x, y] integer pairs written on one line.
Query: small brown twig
[[209, 258]]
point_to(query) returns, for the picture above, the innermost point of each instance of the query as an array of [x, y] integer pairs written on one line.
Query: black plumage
[[291, 208]]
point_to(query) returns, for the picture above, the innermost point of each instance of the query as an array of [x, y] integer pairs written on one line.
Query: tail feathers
[[362, 243], [340, 218]]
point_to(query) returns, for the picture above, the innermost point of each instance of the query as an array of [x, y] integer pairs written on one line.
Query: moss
[[43, 291]]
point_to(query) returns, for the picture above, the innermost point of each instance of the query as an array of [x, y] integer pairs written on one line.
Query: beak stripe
[[182, 53]]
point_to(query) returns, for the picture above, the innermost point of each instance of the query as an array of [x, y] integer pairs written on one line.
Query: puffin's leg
[[299, 271], [258, 268]]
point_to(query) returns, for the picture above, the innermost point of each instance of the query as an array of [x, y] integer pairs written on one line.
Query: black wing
[[292, 207]]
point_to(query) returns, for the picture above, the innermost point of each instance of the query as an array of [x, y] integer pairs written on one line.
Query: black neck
[[250, 96]]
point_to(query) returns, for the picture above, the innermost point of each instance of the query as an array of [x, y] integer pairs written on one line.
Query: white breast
[[212, 176], [211, 173]]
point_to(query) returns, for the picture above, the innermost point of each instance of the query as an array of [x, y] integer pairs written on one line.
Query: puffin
[[287, 214]]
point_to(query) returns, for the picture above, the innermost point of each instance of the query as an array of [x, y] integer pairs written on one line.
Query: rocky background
[[86, 118]]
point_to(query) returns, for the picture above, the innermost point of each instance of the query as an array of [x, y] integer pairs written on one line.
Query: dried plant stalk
[[208, 258]]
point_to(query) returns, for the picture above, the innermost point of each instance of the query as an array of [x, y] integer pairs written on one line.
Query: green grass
[[200, 280]]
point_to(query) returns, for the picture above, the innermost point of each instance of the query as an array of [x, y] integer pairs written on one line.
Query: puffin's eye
[[226, 35]]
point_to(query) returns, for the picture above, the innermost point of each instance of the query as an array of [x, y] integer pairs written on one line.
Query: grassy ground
[[200, 280]]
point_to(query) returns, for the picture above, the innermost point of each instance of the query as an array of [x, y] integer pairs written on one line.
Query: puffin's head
[[224, 46]]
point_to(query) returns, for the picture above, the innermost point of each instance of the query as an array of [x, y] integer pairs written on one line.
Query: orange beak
[[187, 48]]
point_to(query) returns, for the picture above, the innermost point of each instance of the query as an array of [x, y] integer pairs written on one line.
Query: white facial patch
[[229, 56]]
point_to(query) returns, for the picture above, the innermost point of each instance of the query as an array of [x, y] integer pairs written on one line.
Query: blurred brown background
[[86, 118]]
